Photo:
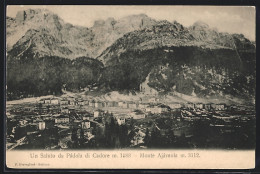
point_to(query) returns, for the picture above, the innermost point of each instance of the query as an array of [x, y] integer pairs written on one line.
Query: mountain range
[[124, 54]]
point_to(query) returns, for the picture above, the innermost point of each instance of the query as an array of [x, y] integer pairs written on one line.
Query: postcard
[[130, 87]]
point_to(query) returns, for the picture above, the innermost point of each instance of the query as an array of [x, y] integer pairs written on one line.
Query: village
[[75, 122]]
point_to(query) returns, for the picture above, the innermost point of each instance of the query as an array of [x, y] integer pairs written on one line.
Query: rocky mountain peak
[[73, 41], [104, 24], [200, 25], [34, 15], [110, 21], [135, 22], [98, 23]]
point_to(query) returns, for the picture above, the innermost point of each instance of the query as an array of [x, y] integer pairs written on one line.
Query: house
[[219, 107], [156, 109], [86, 102], [109, 104], [125, 105], [143, 105], [174, 105], [98, 105], [190, 105], [64, 102], [132, 105], [208, 106], [41, 125], [90, 118], [120, 104], [54, 110], [54, 101], [153, 100], [28, 109], [199, 105], [97, 114], [81, 112], [92, 103], [47, 101], [41, 101], [120, 120], [62, 119], [65, 110], [105, 104], [148, 109], [137, 114], [162, 109], [114, 104], [85, 124], [81, 102], [73, 102]]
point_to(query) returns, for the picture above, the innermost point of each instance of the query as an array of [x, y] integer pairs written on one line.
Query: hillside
[[193, 61], [33, 77]]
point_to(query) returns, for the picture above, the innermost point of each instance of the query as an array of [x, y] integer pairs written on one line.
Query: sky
[[231, 19]]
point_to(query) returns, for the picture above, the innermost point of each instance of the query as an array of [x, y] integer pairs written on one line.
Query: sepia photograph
[[130, 78]]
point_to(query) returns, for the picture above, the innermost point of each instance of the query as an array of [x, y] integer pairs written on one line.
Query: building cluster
[[66, 110], [65, 113], [208, 106], [66, 102]]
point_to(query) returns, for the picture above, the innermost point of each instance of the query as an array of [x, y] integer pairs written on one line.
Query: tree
[[155, 138], [131, 123], [108, 134], [100, 139], [169, 137], [147, 137], [81, 138], [74, 137], [201, 131], [123, 136]]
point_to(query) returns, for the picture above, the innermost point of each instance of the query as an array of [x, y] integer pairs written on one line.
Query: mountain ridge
[[165, 33], [92, 41], [166, 56]]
